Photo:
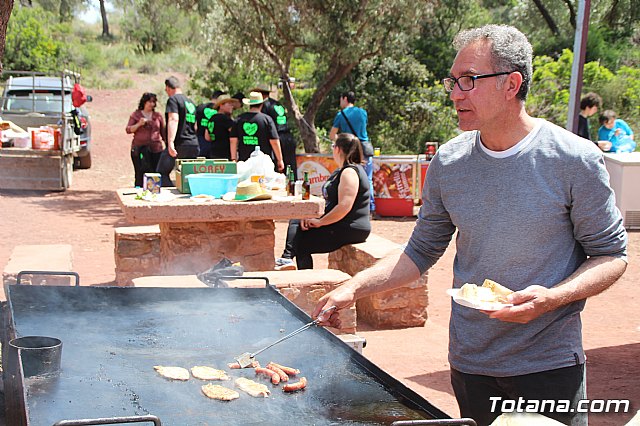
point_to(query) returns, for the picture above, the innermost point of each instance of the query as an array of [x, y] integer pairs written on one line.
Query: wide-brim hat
[[262, 88], [255, 98], [247, 191], [224, 99]]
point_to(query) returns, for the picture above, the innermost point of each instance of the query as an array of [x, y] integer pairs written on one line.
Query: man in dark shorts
[[278, 114], [181, 133], [253, 129], [204, 114], [219, 128]]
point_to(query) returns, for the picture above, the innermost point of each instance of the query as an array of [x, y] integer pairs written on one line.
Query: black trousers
[[288, 146], [473, 393], [144, 161], [301, 244], [167, 162]]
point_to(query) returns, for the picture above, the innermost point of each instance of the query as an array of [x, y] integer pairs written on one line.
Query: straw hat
[[255, 98], [247, 191], [223, 99], [262, 88]]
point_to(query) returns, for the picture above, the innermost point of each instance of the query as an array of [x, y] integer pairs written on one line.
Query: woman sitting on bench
[[346, 214]]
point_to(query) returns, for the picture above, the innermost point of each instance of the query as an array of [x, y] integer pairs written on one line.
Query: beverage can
[[152, 182]]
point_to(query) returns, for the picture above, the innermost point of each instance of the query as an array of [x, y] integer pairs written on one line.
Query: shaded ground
[[85, 217]]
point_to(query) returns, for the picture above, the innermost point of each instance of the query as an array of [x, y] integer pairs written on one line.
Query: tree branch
[[547, 17]]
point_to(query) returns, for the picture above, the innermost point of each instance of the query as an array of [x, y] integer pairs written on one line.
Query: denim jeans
[[368, 167]]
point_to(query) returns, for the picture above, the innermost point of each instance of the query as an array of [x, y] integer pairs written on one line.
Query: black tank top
[[358, 216]]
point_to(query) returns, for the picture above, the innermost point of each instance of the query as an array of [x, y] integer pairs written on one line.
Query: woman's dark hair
[[352, 148], [148, 96]]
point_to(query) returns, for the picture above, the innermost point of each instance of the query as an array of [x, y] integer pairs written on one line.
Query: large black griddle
[[112, 337]]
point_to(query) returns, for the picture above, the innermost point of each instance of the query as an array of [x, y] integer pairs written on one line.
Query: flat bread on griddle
[[173, 373], [207, 373], [219, 392], [254, 389]]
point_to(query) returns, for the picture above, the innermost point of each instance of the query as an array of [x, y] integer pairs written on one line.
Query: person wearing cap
[[218, 129], [353, 119], [181, 132], [278, 114], [253, 128], [204, 113]]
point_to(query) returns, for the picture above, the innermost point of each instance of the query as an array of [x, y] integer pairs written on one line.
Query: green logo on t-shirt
[[281, 119], [209, 112], [211, 125], [190, 117], [250, 128]]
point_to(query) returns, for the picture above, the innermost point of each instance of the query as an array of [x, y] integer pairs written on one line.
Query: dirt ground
[[85, 217]]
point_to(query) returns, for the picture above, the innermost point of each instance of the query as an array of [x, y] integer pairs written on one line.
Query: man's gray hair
[[510, 50]]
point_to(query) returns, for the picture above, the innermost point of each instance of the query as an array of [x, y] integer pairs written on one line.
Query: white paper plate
[[474, 304]]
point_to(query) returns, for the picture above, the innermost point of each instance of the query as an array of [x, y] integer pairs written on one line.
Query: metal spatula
[[246, 359]]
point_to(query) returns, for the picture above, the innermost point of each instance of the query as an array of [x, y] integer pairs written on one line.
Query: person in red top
[[147, 127]]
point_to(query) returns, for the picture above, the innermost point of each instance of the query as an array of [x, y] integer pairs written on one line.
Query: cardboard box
[[186, 167]]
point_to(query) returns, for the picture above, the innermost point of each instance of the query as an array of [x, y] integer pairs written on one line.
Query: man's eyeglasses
[[466, 82]]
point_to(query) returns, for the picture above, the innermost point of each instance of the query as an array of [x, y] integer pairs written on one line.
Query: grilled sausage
[[288, 370], [281, 373], [275, 378], [293, 387], [236, 365]]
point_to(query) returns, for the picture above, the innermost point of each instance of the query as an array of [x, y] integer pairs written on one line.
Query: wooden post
[[579, 53]]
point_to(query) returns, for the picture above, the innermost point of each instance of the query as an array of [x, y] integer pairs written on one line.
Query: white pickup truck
[[34, 100]]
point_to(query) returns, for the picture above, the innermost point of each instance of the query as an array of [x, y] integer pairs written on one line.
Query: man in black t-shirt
[[219, 128], [181, 133], [278, 114], [589, 105], [204, 113], [253, 129]]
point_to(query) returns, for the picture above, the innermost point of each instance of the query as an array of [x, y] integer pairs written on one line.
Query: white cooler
[[624, 170]]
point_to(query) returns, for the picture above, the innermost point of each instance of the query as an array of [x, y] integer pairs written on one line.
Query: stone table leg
[[193, 247]]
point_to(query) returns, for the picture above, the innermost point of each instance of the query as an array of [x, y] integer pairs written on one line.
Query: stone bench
[[137, 253], [402, 307], [39, 257], [303, 288]]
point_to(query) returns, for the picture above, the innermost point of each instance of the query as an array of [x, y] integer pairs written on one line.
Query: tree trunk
[[5, 13], [547, 17], [105, 22], [572, 14], [306, 122], [610, 17]]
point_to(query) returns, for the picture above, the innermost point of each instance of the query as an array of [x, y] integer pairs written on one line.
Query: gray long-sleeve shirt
[[531, 218]]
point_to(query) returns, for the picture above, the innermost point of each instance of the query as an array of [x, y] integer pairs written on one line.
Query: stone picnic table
[[194, 235]]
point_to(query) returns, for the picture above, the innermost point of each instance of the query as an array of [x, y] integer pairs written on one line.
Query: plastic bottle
[[257, 167]]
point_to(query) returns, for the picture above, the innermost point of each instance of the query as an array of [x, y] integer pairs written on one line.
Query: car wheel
[[83, 162]]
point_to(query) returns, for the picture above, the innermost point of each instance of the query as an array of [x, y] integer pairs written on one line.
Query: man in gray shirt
[[534, 211]]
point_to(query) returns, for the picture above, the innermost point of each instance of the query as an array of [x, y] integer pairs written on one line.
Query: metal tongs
[[246, 359]]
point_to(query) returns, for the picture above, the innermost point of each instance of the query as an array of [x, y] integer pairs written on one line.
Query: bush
[[35, 41]]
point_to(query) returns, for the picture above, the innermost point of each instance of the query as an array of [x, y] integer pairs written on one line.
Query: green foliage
[[448, 17], [35, 41], [157, 26]]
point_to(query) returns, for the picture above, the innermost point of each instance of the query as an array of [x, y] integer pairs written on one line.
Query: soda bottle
[[306, 187], [287, 175], [291, 188]]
